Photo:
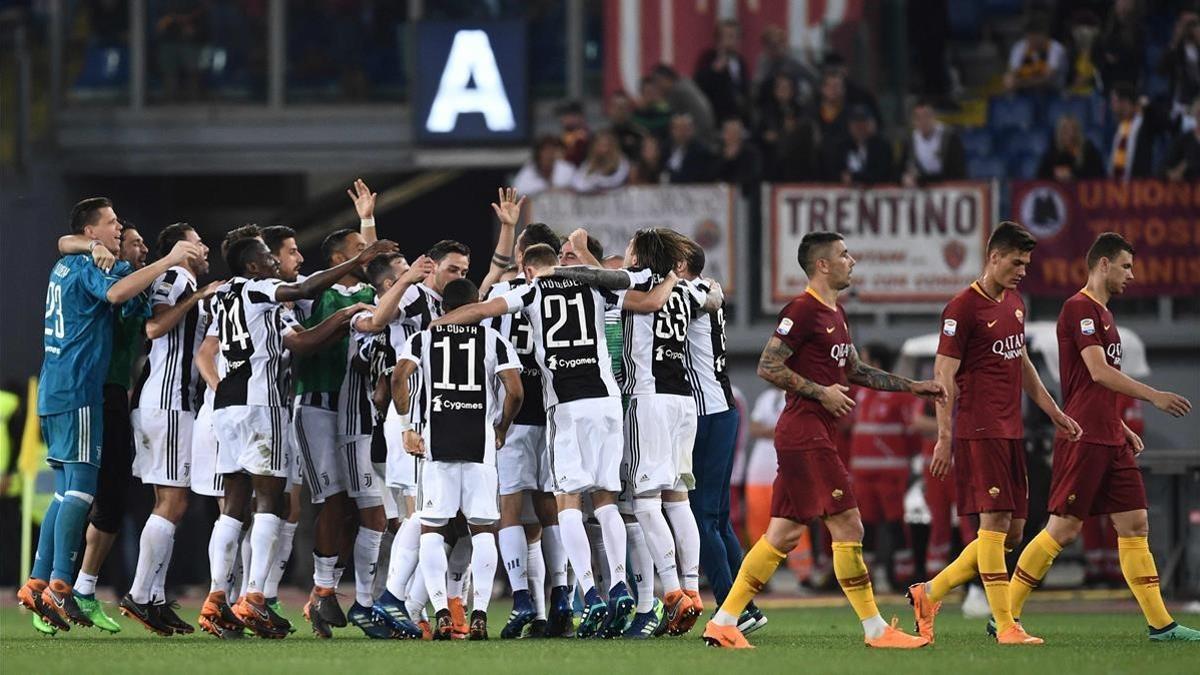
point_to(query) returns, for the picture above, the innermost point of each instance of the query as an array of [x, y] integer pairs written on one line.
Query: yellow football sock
[[851, 573], [757, 567], [957, 573], [1031, 568], [994, 575], [1137, 564]]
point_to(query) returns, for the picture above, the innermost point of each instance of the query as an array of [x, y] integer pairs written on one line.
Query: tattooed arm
[[613, 280], [772, 368], [872, 377]]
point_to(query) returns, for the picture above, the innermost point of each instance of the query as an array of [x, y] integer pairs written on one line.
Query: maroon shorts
[[1088, 480], [880, 494], [810, 483], [989, 475]]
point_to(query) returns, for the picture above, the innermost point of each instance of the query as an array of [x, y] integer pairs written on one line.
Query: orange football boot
[[924, 610], [458, 619], [1016, 635], [725, 637], [894, 638]]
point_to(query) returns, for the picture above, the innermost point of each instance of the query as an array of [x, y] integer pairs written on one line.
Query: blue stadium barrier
[[103, 67], [977, 141], [1023, 166], [987, 167], [1079, 106], [1012, 143], [1010, 112], [965, 19]]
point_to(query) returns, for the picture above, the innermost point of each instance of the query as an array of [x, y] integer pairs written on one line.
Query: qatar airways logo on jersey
[[555, 363], [839, 352], [1009, 347], [442, 405], [663, 353], [1114, 353]]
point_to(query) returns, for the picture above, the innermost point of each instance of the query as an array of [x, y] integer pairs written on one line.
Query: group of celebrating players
[[571, 417]]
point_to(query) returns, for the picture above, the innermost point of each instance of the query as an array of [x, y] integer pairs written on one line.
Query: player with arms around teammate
[[811, 357], [983, 364], [78, 344], [1098, 473], [459, 366]]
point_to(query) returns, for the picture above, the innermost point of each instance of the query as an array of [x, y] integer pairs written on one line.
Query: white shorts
[[162, 440], [450, 487], [660, 432], [316, 439], [357, 471], [524, 461], [205, 479], [252, 438], [393, 500], [403, 469], [585, 445]]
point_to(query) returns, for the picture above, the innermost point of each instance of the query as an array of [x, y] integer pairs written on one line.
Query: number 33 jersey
[[655, 358]]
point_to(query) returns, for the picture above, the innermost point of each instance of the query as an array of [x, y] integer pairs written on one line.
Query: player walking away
[[109, 506], [567, 318], [78, 345], [165, 403], [248, 410], [811, 357], [983, 364], [459, 365], [1097, 473]]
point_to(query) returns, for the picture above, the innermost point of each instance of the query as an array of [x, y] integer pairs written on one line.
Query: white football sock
[[283, 552], [642, 566], [659, 540], [85, 584], [263, 537], [417, 594], [158, 590], [404, 557], [247, 554], [458, 563], [222, 549], [156, 535], [687, 543], [615, 544], [514, 551], [338, 570], [238, 571], [366, 561], [874, 626], [537, 578], [555, 554], [323, 567], [483, 569], [575, 543], [433, 569], [599, 557]]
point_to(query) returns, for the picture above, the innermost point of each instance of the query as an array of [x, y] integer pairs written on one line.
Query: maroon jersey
[[988, 337], [819, 338], [1083, 323]]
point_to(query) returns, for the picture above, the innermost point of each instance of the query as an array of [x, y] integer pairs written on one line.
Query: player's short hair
[[171, 235], [274, 236], [445, 247], [595, 248], [241, 253], [539, 233], [1009, 236], [332, 243], [247, 231], [658, 249], [812, 246], [882, 354], [541, 255], [461, 291], [693, 257], [126, 225], [1107, 245], [380, 268], [86, 211]]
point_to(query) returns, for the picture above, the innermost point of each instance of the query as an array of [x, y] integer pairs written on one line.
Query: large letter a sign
[[471, 61]]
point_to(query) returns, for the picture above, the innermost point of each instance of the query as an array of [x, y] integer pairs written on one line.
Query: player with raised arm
[[811, 357], [566, 314], [78, 344], [459, 367], [983, 365], [1098, 472]]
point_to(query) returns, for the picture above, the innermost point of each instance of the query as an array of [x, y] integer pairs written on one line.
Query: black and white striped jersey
[[168, 380], [419, 306], [355, 411], [655, 345], [516, 329], [251, 332], [567, 320], [210, 319], [707, 369], [458, 367]]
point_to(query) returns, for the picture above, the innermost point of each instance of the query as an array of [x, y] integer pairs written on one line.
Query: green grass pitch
[[814, 640]]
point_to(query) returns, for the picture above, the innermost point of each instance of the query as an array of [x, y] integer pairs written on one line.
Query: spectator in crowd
[[647, 169], [1119, 53], [854, 93], [545, 170], [722, 75], [620, 118], [683, 96], [179, 31], [1137, 127], [1037, 63], [933, 152], [1072, 156], [1183, 159], [777, 59], [1084, 31], [740, 162], [862, 157], [761, 462], [605, 167], [653, 113], [831, 106], [788, 135], [690, 160], [1181, 64], [576, 137]]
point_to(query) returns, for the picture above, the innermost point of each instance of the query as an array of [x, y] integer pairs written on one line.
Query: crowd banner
[[1160, 219], [912, 246], [702, 212]]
